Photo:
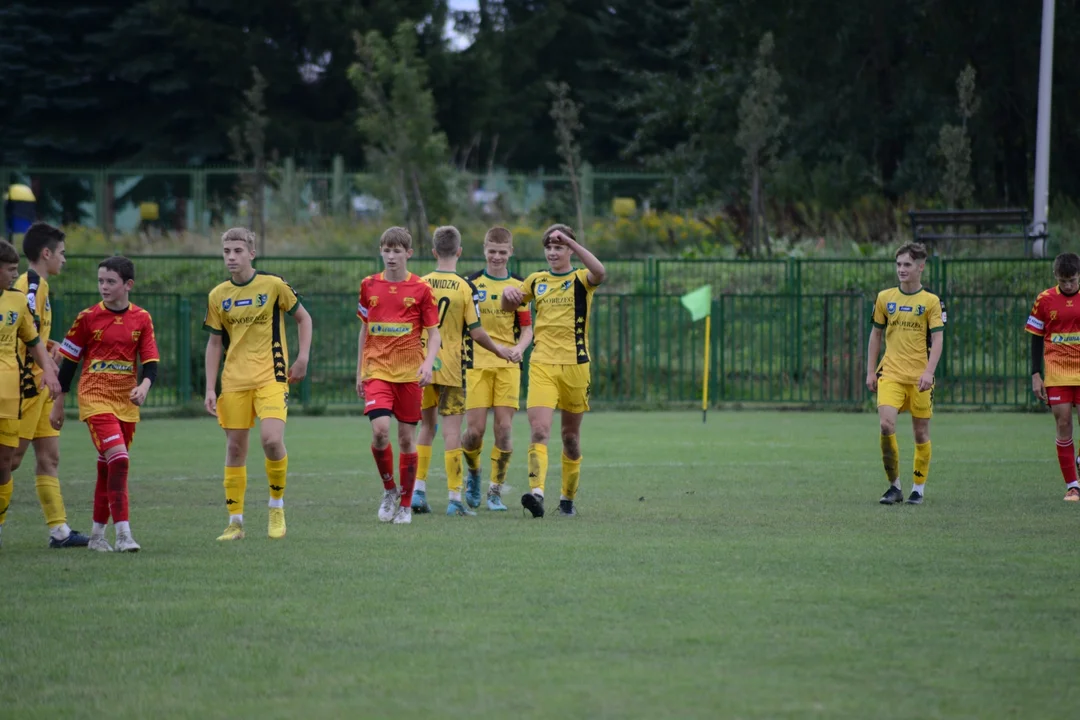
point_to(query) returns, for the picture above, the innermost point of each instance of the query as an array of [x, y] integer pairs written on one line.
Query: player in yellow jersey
[[492, 382], [245, 317], [559, 366], [43, 246], [912, 320], [16, 324], [459, 327]]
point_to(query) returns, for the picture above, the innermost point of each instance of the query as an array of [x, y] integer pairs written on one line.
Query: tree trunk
[[762, 224], [750, 246]]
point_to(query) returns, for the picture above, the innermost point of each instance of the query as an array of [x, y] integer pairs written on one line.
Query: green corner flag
[[698, 302]]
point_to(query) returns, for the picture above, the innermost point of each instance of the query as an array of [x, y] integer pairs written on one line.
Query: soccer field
[[741, 569]]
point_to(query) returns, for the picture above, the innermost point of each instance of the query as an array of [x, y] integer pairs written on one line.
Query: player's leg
[[271, 407], [453, 408], [34, 428], [507, 394], [542, 400], [479, 397], [101, 513], [922, 409], [1061, 405], [9, 441], [111, 438], [890, 399], [236, 415], [407, 398], [429, 425], [574, 386]]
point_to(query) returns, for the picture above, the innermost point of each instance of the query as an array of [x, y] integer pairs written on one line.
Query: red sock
[[101, 493], [1067, 460], [384, 461], [118, 495], [407, 468]]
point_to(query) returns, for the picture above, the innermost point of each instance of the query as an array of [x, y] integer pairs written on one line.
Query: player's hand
[[56, 416], [360, 386], [560, 238], [424, 375], [54, 351], [298, 370], [1038, 387], [871, 381], [51, 382], [516, 354], [138, 394], [926, 381], [210, 403], [513, 295]]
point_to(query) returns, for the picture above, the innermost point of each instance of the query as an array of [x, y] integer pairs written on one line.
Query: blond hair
[[239, 234], [498, 236], [564, 229], [917, 251], [446, 241], [396, 237]]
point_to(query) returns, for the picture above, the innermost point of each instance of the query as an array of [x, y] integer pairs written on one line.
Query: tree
[[403, 145], [954, 145], [567, 116], [248, 140], [761, 125]]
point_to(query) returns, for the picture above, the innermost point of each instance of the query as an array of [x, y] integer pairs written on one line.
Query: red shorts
[[108, 431], [1063, 395], [402, 400]]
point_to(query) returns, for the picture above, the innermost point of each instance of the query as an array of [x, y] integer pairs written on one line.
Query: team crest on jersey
[[481, 295], [566, 285], [12, 317], [920, 309], [226, 304], [135, 335], [891, 308], [1053, 315], [541, 288], [408, 302], [373, 301], [260, 300]]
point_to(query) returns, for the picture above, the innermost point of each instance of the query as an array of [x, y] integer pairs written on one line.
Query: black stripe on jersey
[[581, 320], [279, 277], [33, 282], [467, 347], [27, 385], [277, 350], [472, 276]]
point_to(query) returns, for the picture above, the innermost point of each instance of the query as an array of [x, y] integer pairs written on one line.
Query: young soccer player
[[493, 382], [43, 246], [16, 323], [392, 366], [459, 327], [912, 320], [245, 316], [110, 338], [1054, 325], [559, 366]]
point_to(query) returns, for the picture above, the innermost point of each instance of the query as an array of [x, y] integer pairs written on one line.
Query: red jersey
[[396, 314], [109, 342], [1056, 319]]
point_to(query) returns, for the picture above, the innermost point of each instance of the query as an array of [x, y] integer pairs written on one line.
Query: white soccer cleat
[[388, 506], [98, 543], [403, 516], [126, 543]]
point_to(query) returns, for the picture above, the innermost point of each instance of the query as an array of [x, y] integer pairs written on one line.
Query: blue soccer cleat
[[456, 509], [472, 488], [494, 502], [419, 503], [75, 539]]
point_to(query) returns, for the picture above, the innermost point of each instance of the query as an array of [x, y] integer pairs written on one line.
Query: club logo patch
[[261, 299], [481, 295], [541, 288], [226, 304], [891, 308], [408, 301], [920, 309]]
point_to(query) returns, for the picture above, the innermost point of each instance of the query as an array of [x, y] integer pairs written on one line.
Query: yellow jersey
[[16, 325], [456, 299], [562, 302], [250, 317], [36, 289], [908, 319], [503, 327]]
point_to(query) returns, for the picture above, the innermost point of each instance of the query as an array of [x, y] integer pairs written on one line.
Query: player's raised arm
[[303, 332], [597, 273]]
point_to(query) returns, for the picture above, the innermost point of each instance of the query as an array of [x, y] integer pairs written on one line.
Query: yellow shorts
[[493, 387], [238, 410], [563, 387], [35, 418], [9, 432], [449, 399], [906, 396]]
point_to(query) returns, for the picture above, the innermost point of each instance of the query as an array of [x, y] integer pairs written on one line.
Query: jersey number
[[444, 306]]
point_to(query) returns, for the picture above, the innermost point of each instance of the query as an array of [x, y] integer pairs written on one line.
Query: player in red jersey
[[1054, 325], [395, 306], [110, 338]]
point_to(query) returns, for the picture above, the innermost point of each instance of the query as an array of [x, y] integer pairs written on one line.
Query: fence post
[[337, 188], [183, 349]]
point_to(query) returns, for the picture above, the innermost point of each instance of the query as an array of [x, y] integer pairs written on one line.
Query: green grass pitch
[[739, 569]]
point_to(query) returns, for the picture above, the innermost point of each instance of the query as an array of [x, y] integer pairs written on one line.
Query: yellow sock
[[5, 499], [423, 461], [452, 458], [276, 470], [472, 457], [571, 474], [538, 459], [500, 461], [922, 463], [235, 487], [890, 456], [52, 502]]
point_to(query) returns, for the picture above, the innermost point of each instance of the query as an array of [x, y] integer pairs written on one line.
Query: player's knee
[[571, 443], [235, 450], [502, 436], [274, 447], [888, 426], [540, 434]]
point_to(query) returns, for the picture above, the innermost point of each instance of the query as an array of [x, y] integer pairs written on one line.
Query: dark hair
[[38, 237], [119, 265], [1067, 265], [917, 251], [8, 253]]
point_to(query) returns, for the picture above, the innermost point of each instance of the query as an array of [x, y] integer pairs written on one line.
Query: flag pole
[[705, 381]]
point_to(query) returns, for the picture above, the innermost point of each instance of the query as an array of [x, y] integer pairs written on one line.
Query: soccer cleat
[[892, 496], [915, 498], [1072, 495], [566, 508], [472, 488], [235, 531], [534, 504], [403, 516], [388, 505], [456, 509], [74, 539], [98, 543], [494, 502], [126, 543], [419, 502], [276, 528]]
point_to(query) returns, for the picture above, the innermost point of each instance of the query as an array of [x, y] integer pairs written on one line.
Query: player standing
[[559, 366], [43, 246], [912, 320], [1054, 325], [110, 338], [392, 366], [493, 382], [245, 316]]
